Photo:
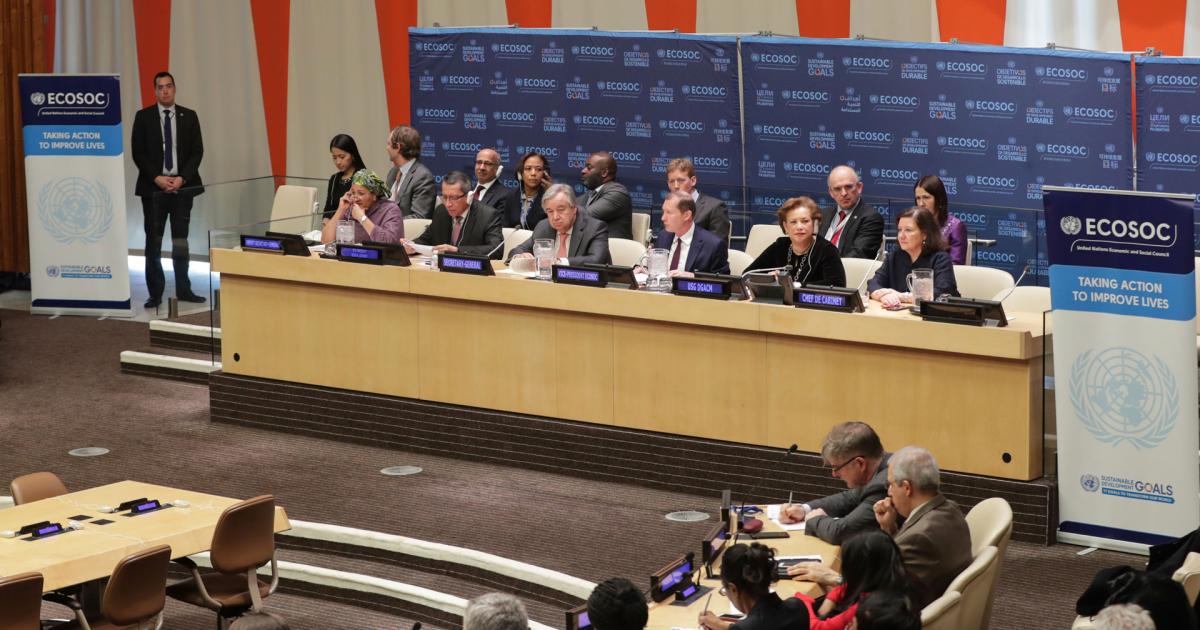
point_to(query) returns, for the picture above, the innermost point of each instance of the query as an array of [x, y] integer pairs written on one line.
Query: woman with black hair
[[344, 152], [746, 576], [870, 562]]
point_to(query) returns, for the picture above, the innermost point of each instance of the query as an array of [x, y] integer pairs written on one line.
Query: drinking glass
[[920, 284], [543, 251], [656, 269], [345, 231]]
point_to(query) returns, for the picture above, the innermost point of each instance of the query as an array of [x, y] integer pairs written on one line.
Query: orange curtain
[[22, 50]]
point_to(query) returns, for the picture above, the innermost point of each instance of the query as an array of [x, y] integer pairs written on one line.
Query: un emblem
[[74, 209], [52, 271], [38, 99], [1120, 395], [1070, 225], [1090, 482]]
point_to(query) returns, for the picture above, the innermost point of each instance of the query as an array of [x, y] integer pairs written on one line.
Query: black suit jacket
[[496, 196], [713, 215], [613, 206], [146, 148], [417, 193], [863, 234], [512, 210], [707, 254], [772, 613], [589, 240], [850, 511], [481, 232]]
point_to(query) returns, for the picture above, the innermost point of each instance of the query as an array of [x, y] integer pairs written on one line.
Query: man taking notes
[[855, 455], [461, 224]]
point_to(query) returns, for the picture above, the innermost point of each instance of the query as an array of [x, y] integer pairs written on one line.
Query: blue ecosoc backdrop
[[1168, 125]]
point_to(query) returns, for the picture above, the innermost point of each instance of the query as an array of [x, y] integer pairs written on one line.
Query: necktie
[[675, 256], [563, 239], [168, 142], [457, 232], [396, 186], [838, 234], [526, 203], [478, 191]]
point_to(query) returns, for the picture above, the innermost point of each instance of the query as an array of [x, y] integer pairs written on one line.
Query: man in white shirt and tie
[[578, 238], [410, 183], [692, 248], [488, 188], [855, 227]]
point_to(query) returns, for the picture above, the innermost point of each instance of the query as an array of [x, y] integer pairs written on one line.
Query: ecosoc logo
[[987, 255], [894, 102], [894, 176], [535, 85], [513, 51], [435, 49], [1059, 152], [1171, 159], [806, 170], [961, 69], [1088, 115], [868, 139], [37, 98], [681, 128], [867, 65], [1070, 225], [440, 115], [593, 53], [677, 56], [76, 101], [461, 149], [75, 209], [805, 98], [461, 81], [52, 271], [775, 60], [1172, 80], [963, 145], [589, 122], [711, 164], [777, 133], [704, 93], [1059, 75], [991, 184], [1121, 395], [619, 89], [980, 108], [549, 152], [1089, 482], [1129, 228], [514, 119], [627, 157]]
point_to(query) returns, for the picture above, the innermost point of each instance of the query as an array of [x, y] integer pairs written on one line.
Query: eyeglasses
[[453, 198], [835, 469], [722, 591], [484, 163]]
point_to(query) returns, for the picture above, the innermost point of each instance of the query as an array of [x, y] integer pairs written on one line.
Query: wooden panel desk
[[75, 557], [742, 372], [664, 615]]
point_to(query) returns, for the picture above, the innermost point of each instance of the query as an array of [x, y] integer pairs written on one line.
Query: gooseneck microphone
[[1015, 284], [754, 525]]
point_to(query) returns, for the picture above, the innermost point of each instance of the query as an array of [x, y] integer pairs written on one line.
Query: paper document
[[773, 514], [423, 250]]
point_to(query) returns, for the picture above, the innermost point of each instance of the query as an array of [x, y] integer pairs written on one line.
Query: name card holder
[[712, 289], [825, 298], [466, 263], [616, 276], [673, 578], [290, 245], [366, 254], [583, 276], [964, 311], [577, 618]]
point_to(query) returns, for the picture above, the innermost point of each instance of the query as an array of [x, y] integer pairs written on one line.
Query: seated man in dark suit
[[856, 456], [854, 227], [607, 199], [488, 188], [578, 238], [711, 213], [692, 247], [461, 224]]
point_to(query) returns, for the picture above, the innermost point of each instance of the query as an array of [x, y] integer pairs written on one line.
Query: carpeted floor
[[61, 388]]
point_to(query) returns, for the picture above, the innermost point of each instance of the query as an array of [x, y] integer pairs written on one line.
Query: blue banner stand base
[[1084, 540]]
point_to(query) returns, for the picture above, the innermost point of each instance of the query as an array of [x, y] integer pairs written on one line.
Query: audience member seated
[[495, 611], [854, 454], [921, 247], [887, 610], [806, 256], [376, 218], [462, 224], [746, 576], [409, 183], [934, 538], [347, 161], [578, 238], [930, 194], [607, 199], [488, 188], [1123, 617], [616, 604], [692, 247], [260, 620], [523, 208], [871, 562], [711, 213], [854, 227]]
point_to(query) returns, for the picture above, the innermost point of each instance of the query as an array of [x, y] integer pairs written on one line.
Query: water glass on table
[[656, 270], [345, 231], [543, 251]]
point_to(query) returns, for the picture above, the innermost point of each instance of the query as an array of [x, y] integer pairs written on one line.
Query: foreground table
[[75, 557], [734, 371]]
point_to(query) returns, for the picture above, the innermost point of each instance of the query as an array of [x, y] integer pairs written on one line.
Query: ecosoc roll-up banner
[[1122, 283], [75, 185]]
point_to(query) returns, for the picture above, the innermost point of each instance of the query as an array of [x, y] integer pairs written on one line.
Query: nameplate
[[993, 311], [584, 276], [466, 263], [699, 287], [291, 245], [964, 311], [672, 578], [366, 254], [577, 618], [616, 276], [823, 298]]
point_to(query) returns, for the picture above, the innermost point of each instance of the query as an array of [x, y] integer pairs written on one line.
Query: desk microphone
[[489, 255], [768, 270], [1015, 284], [867, 275], [754, 525]]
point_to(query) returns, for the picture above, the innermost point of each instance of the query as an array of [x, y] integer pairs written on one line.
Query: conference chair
[[970, 252], [977, 585], [641, 227], [760, 237], [1025, 300], [21, 602], [133, 598], [738, 261], [982, 283], [35, 487], [990, 522], [625, 252], [858, 269], [942, 613], [514, 238], [243, 541], [414, 228], [293, 209]]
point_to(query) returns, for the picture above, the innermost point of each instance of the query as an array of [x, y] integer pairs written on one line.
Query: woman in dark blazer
[[746, 576], [523, 206], [811, 258], [344, 152], [921, 247]]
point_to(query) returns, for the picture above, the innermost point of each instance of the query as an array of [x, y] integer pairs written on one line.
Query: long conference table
[[91, 553], [761, 374]]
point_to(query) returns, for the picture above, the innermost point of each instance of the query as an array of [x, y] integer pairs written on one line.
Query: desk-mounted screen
[[465, 263], [360, 253], [696, 287], [585, 276], [273, 244], [827, 298]]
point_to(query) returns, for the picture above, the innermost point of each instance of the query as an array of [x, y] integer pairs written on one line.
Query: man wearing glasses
[[488, 188], [462, 224], [855, 455], [855, 227]]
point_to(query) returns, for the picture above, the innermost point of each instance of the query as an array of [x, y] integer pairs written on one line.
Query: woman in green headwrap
[[376, 217]]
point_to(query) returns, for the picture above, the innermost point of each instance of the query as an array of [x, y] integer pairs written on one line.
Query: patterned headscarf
[[371, 181]]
